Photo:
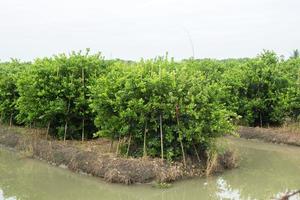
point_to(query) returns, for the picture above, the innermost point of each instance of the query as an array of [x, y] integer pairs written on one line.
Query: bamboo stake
[[65, 134], [260, 118], [10, 120], [129, 143], [196, 153], [66, 124], [118, 145], [83, 120], [111, 144], [145, 137], [48, 129], [181, 144], [82, 133], [161, 137]]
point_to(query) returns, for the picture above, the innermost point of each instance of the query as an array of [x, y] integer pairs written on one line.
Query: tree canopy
[[157, 107]]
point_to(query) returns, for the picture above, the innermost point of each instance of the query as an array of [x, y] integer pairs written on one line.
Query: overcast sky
[[131, 29]]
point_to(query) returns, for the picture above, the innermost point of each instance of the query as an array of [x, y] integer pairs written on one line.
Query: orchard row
[[159, 107]]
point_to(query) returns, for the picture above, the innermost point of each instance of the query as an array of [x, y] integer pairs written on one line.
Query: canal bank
[[110, 167], [279, 135]]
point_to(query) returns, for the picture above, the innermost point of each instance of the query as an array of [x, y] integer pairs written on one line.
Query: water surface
[[265, 170]]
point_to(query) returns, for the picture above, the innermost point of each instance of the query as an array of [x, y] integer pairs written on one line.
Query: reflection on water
[[265, 171], [225, 191], [281, 194], [2, 197]]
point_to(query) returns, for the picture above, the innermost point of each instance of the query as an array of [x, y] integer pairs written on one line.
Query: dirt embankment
[[274, 135], [109, 166]]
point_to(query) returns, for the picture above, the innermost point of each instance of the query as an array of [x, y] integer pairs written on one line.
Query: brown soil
[[92, 157], [274, 135]]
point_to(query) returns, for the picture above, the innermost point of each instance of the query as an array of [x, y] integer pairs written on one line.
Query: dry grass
[[289, 133], [218, 162], [292, 128], [212, 164]]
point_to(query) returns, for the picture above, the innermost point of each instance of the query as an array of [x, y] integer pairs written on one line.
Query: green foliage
[[131, 98], [55, 90], [290, 100], [9, 73], [159, 107], [262, 90]]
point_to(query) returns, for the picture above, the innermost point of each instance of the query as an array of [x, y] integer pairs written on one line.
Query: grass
[[290, 128]]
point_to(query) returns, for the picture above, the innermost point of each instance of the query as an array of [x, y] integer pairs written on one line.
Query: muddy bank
[[111, 168], [274, 135]]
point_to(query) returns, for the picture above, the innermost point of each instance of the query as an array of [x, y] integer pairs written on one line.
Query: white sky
[[131, 29]]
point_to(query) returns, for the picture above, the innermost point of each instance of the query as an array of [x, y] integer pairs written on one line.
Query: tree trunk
[[129, 143], [2, 117], [260, 119], [161, 137], [181, 144], [111, 144], [66, 124], [10, 119], [145, 137], [83, 85], [66, 128], [196, 153], [118, 145], [34, 127], [183, 154], [82, 133], [48, 129]]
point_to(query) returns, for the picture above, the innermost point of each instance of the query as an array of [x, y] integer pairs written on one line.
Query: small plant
[[162, 185]]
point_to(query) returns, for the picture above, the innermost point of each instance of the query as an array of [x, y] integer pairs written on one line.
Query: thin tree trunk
[[10, 120], [2, 117], [118, 145], [161, 137], [34, 127], [260, 118], [83, 84], [66, 122], [129, 143], [66, 128], [196, 153], [181, 144], [82, 133], [145, 137], [183, 154], [48, 129], [111, 144]]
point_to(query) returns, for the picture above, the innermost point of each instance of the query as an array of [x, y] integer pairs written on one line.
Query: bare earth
[[94, 157]]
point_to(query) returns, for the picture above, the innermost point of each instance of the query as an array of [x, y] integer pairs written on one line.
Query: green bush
[[158, 108]]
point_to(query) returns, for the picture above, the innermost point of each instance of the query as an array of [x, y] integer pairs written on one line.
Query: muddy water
[[265, 171]]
